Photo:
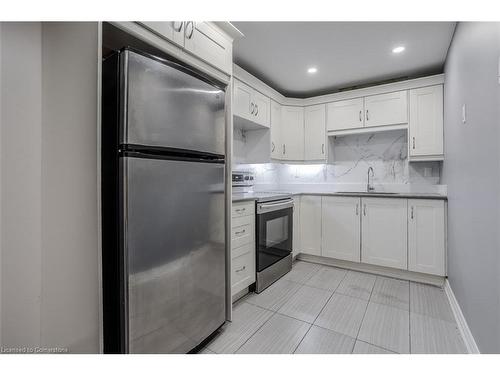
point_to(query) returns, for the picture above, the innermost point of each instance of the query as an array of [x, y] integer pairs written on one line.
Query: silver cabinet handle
[[360, 116], [364, 210], [189, 34], [284, 149], [178, 26], [357, 209], [414, 143], [240, 232], [241, 269], [412, 212], [256, 109], [272, 147], [367, 118], [323, 148], [252, 108], [241, 209]]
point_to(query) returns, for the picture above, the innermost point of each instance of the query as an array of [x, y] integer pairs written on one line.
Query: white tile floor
[[321, 309]]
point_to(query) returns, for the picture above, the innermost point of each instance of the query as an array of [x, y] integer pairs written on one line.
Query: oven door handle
[[270, 207]]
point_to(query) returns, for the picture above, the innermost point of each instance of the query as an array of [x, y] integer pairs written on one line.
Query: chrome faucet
[[369, 186]]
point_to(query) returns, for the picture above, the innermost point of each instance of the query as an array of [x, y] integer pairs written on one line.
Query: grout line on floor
[[257, 330], [378, 346], [366, 309]]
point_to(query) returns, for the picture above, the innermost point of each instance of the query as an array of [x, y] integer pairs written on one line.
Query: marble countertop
[[238, 197]]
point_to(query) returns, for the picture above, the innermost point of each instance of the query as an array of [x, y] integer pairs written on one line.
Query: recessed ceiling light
[[312, 70], [398, 49]]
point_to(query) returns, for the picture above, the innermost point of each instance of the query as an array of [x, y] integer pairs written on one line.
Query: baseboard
[[469, 341], [376, 270]]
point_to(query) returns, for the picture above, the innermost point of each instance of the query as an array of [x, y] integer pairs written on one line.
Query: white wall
[[472, 172], [21, 183], [48, 167]]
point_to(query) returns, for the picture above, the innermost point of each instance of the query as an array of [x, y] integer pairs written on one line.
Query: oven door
[[274, 232]]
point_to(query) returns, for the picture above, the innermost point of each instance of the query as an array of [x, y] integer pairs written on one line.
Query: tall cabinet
[[292, 132]]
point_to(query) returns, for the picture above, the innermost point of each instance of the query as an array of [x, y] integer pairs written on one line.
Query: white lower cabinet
[[340, 220], [310, 224], [426, 236], [384, 232], [296, 226], [242, 246]]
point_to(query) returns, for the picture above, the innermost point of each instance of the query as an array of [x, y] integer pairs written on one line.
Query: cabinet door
[[262, 104], [296, 226], [384, 232], [386, 109], [426, 121], [345, 114], [170, 30], [209, 44], [310, 224], [315, 132], [426, 233], [242, 98], [340, 218], [292, 132], [276, 143]]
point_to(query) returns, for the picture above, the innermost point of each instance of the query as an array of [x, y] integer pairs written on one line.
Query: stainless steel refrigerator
[[164, 251]]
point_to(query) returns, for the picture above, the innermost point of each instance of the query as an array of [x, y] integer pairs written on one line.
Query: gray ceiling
[[345, 53]]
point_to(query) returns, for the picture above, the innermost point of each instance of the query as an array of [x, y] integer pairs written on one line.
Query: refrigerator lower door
[[174, 251]]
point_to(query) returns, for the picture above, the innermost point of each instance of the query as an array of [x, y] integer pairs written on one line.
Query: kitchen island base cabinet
[[341, 228], [384, 232], [426, 236], [310, 224]]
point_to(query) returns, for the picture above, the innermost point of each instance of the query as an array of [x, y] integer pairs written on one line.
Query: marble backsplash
[[349, 159]]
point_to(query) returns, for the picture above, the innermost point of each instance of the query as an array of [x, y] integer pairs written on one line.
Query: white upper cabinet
[[276, 144], [345, 114], [384, 232], [386, 109], [426, 123], [171, 30], [262, 111], [340, 217], [292, 132], [242, 98], [208, 43], [426, 236], [251, 105], [202, 39], [310, 224], [315, 132]]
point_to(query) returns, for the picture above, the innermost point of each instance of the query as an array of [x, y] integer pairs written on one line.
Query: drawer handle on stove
[[267, 207], [241, 269], [240, 232]]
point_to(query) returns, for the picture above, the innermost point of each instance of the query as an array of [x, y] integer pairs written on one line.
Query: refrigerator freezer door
[[174, 249], [166, 106]]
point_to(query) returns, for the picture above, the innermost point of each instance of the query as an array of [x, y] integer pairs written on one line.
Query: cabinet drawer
[[242, 231], [243, 270], [243, 209]]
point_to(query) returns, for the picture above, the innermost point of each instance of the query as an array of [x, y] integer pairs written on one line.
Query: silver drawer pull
[[240, 232], [241, 269], [241, 209]]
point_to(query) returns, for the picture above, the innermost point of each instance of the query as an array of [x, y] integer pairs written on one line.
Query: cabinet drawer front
[[243, 209], [243, 270], [242, 231]]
